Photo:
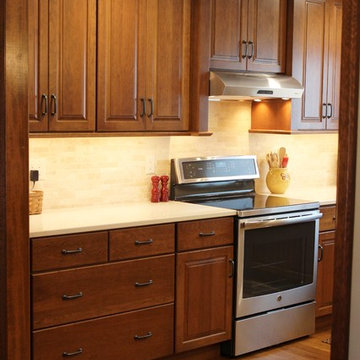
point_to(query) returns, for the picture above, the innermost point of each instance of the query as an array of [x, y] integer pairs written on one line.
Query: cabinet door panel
[[267, 30], [168, 64], [72, 51], [325, 278], [229, 30], [121, 65], [203, 297], [38, 64], [333, 85]]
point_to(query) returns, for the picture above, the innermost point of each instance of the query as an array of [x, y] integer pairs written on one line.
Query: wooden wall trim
[[14, 218], [346, 178]]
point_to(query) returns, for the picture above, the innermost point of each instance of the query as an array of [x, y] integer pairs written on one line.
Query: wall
[[86, 171]]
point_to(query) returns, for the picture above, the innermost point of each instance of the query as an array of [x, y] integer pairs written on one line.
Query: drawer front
[[205, 233], [68, 251], [142, 241], [70, 295], [328, 220], [145, 334]]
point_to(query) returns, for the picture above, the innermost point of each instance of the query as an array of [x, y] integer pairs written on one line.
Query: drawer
[[71, 295], [142, 241], [68, 251], [111, 338], [328, 220], [205, 233]]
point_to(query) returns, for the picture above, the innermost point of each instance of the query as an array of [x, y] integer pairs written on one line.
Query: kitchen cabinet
[[248, 35], [316, 63], [314, 60], [143, 65], [62, 65], [204, 282], [325, 277]]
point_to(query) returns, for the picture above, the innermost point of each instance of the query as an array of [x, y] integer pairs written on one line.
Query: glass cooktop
[[260, 204]]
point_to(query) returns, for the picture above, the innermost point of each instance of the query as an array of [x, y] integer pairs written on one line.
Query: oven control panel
[[191, 170]]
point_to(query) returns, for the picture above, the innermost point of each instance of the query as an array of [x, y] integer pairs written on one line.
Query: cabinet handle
[[324, 113], [251, 43], [146, 242], [77, 352], [44, 98], [72, 297], [54, 100], [137, 284], [211, 233], [151, 101], [142, 337], [143, 102], [321, 248], [331, 111], [246, 49], [232, 262], [69, 252]]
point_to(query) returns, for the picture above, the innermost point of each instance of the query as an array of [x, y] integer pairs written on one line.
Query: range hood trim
[[250, 86]]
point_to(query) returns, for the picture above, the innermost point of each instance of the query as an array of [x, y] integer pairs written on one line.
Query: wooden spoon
[[282, 152]]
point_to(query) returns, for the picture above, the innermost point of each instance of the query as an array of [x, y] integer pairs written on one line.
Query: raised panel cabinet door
[[204, 281], [72, 65], [168, 65], [267, 35], [325, 278], [333, 84], [121, 65], [38, 65], [228, 34]]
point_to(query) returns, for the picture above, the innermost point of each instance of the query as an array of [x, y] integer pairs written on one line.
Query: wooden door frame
[[14, 218], [346, 178]]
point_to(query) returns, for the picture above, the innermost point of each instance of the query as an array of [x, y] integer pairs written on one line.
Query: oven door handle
[[256, 224]]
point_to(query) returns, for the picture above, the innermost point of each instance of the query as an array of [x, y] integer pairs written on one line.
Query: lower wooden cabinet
[[204, 281], [144, 334], [324, 293]]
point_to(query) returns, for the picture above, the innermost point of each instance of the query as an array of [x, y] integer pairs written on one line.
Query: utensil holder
[[277, 180]]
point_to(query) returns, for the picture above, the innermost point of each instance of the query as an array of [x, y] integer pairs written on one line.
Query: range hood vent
[[250, 86]]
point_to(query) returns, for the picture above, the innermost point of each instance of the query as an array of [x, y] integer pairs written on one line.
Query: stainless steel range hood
[[250, 86]]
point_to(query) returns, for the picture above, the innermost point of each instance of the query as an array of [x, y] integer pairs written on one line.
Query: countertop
[[94, 218]]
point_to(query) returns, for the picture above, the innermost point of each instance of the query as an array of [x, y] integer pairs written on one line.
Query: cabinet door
[[325, 278], [168, 65], [72, 61], [267, 35], [38, 65], [121, 65], [203, 297], [228, 34], [333, 85], [310, 63]]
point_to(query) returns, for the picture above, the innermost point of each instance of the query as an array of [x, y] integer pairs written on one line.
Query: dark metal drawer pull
[[69, 252], [54, 106], [244, 44], [45, 99], [146, 242], [77, 352], [321, 250], [232, 262], [72, 297], [211, 233], [137, 284], [142, 337]]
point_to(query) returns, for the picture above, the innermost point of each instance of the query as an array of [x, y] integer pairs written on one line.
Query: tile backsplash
[[103, 170]]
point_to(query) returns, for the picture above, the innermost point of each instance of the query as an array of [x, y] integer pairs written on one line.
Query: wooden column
[[346, 177], [14, 219]]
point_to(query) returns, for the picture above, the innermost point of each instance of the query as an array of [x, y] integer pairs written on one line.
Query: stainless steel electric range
[[276, 247]]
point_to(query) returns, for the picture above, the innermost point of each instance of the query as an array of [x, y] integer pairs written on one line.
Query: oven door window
[[278, 258]]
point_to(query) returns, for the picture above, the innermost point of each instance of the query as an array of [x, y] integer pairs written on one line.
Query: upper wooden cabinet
[[143, 65], [316, 62], [248, 35], [62, 58]]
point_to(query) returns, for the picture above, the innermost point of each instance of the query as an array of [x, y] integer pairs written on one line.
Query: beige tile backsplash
[[93, 171]]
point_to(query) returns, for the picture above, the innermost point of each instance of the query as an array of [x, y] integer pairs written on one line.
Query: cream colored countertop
[[325, 195], [75, 220]]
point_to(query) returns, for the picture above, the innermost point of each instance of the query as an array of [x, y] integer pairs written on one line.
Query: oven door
[[277, 261]]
